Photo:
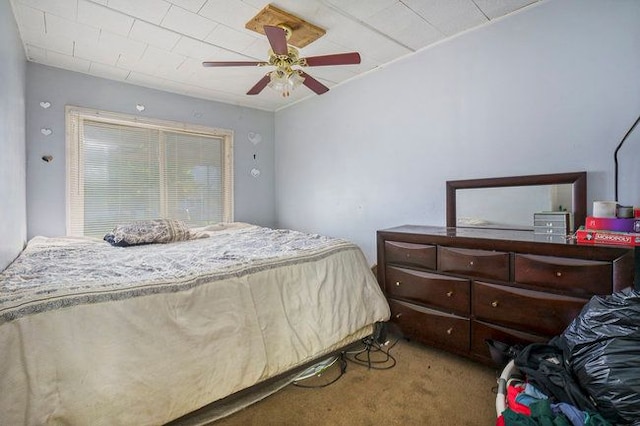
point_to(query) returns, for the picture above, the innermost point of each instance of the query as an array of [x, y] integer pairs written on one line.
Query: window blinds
[[123, 171]]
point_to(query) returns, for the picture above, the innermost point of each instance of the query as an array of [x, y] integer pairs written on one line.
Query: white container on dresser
[[454, 288]]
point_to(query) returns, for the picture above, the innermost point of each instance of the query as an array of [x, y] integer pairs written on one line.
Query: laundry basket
[[501, 397]]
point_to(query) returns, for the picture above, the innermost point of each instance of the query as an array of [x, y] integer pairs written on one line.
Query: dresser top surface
[[511, 235], [485, 233]]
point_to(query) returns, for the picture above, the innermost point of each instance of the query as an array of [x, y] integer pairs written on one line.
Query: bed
[[141, 335]]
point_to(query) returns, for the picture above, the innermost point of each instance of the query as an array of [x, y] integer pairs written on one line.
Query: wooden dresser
[[456, 287]]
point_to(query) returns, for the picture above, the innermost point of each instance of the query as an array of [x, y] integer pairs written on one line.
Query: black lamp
[[615, 154], [636, 283]]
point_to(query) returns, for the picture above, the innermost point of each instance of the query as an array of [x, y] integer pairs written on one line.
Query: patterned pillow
[[149, 232]]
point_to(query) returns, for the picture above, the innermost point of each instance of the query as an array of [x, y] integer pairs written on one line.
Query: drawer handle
[[450, 330], [471, 263], [398, 315], [495, 303], [558, 274], [398, 283], [450, 293]]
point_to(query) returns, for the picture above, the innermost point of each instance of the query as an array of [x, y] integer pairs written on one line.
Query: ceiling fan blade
[[234, 63], [313, 84], [336, 59], [260, 85], [278, 39]]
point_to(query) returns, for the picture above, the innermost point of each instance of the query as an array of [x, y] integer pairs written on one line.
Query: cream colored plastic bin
[[501, 397]]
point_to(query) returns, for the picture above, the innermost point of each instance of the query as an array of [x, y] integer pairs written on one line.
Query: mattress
[[102, 335]]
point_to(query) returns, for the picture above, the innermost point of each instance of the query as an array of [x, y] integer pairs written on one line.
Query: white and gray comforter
[[59, 272]]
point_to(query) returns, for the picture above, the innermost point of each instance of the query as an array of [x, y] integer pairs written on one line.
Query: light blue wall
[[550, 89], [254, 198], [13, 224]]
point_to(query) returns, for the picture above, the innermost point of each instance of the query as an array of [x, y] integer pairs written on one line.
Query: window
[[123, 168]]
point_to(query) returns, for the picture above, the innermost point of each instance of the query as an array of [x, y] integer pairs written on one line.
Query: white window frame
[[75, 116]]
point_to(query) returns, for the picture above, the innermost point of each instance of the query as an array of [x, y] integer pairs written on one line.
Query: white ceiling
[[161, 43]]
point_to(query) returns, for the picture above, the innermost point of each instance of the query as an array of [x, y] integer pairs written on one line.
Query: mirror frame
[[579, 194]]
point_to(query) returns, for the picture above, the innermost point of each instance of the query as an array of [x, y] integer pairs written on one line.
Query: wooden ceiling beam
[[303, 32]]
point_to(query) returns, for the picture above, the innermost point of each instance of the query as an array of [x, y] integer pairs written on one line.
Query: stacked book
[[609, 230]]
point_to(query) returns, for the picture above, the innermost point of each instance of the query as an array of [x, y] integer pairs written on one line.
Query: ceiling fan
[[284, 58]]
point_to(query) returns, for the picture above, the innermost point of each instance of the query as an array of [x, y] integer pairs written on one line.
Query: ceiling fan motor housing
[[285, 61]]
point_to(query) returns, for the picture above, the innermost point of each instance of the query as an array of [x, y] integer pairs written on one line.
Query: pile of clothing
[[588, 376], [528, 405]]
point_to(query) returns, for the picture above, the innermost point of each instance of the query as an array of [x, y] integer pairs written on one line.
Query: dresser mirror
[[510, 202]]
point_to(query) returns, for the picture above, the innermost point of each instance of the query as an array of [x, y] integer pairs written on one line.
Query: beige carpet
[[426, 387]]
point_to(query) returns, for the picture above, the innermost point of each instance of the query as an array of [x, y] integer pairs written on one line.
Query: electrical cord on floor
[[369, 355], [343, 368]]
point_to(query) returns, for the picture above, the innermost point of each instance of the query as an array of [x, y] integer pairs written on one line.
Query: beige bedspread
[[102, 335]]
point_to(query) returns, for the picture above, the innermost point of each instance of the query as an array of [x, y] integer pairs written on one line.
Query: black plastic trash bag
[[602, 347]]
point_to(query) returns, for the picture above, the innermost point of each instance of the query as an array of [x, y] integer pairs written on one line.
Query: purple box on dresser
[[612, 224]]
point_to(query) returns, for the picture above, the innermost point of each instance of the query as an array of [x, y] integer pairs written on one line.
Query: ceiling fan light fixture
[[295, 79], [285, 81]]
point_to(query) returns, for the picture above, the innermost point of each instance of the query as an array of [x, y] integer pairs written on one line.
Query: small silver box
[[552, 223]]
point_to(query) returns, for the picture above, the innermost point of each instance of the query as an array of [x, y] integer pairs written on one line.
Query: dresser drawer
[[577, 276], [479, 263], [482, 331], [433, 327], [448, 293], [420, 255], [429, 326], [526, 310], [549, 230]]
